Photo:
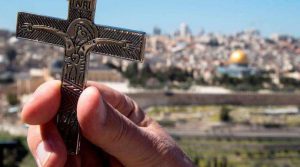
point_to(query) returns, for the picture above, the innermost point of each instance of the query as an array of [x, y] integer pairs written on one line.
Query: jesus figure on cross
[[79, 36]]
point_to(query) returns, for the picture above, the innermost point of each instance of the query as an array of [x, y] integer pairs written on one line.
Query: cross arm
[[41, 29], [131, 47]]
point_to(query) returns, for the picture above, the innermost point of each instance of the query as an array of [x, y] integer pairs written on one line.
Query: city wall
[[148, 99]]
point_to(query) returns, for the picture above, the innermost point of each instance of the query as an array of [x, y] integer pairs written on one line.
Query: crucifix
[[79, 36]]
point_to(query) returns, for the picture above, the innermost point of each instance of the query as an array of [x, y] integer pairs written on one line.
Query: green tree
[[11, 54], [225, 114], [12, 99]]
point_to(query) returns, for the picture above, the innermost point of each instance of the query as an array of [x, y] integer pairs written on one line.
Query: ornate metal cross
[[79, 36]]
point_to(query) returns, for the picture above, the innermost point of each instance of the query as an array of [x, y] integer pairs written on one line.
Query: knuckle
[[165, 146], [121, 103]]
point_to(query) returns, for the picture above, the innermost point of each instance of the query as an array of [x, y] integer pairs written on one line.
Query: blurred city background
[[222, 77]]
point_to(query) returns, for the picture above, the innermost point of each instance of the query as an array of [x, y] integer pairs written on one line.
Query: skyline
[[214, 16]]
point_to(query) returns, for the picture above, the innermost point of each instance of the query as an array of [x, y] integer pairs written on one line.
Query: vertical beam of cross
[[79, 36], [82, 9]]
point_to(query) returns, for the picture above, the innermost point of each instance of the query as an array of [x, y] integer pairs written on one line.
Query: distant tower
[[169, 60], [156, 31], [201, 32], [184, 30]]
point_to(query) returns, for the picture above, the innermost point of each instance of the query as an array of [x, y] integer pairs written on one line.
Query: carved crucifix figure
[[79, 36]]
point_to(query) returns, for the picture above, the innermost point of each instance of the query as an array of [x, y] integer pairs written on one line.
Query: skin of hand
[[116, 131]]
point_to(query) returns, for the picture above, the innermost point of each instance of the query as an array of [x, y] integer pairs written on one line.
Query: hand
[[27, 27], [109, 121]]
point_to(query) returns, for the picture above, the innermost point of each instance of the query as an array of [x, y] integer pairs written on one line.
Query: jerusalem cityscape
[[185, 63], [271, 63], [222, 79]]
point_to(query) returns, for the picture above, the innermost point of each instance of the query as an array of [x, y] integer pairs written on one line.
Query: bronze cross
[[79, 36]]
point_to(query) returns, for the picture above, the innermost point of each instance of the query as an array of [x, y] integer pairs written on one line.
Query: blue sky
[[219, 16]]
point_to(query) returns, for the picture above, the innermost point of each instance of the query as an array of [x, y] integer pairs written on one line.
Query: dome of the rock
[[238, 57]]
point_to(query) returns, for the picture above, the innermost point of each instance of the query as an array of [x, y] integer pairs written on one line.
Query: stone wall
[[243, 99]]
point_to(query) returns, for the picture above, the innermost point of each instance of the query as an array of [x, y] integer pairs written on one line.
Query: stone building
[[238, 66]]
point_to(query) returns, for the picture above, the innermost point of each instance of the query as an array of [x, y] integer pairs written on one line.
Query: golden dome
[[238, 57]]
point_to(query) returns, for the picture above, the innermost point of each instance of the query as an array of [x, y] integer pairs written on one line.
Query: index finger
[[121, 102]]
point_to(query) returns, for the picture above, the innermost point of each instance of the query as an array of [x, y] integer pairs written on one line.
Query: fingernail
[[43, 153]]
